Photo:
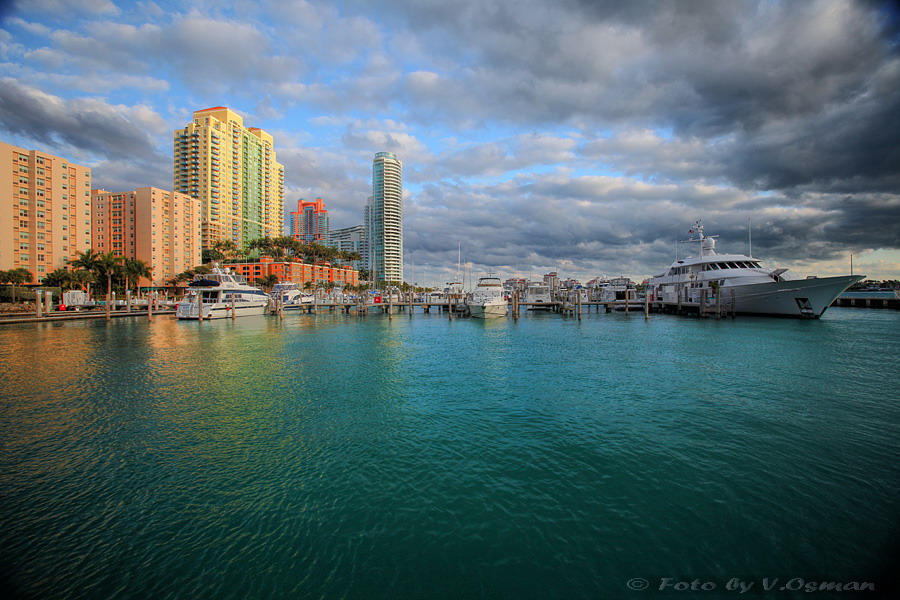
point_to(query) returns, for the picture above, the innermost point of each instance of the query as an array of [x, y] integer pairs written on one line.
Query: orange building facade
[[296, 272], [45, 210]]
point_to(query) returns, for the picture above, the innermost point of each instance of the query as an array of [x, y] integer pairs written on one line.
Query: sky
[[584, 137]]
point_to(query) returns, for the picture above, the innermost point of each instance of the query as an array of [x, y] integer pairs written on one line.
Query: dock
[[893, 303]]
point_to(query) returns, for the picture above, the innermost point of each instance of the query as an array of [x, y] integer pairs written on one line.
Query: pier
[[851, 302]]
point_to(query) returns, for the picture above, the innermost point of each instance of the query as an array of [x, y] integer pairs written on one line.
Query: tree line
[[87, 267], [281, 247]]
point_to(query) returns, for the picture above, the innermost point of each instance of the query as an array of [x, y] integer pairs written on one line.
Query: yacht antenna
[[750, 234]]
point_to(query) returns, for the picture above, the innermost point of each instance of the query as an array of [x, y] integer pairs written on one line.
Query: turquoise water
[[337, 457]]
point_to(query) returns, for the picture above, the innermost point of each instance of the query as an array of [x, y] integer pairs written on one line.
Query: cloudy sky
[[579, 136]]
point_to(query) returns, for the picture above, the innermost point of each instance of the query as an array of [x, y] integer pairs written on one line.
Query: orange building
[[45, 210], [161, 228], [296, 272]]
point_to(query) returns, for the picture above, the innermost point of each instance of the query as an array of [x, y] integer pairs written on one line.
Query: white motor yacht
[[488, 300], [291, 296], [455, 295], [621, 291], [537, 296], [744, 285], [215, 295]]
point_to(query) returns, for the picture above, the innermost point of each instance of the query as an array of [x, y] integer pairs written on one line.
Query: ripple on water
[[339, 457]]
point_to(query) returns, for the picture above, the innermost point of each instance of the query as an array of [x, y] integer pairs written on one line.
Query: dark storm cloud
[[85, 123], [582, 134], [805, 90]]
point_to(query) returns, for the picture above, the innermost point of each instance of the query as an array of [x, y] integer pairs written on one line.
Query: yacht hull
[[488, 311], [220, 310], [802, 298]]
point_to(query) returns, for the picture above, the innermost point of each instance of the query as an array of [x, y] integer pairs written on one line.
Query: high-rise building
[[232, 170], [310, 222], [350, 239], [384, 219], [159, 227], [45, 210]]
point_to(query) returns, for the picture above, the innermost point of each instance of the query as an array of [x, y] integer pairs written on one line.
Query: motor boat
[[537, 297], [220, 295], [291, 296], [487, 300], [621, 291]]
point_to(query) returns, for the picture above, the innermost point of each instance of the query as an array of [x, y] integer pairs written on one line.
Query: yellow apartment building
[[160, 227], [45, 210], [234, 173]]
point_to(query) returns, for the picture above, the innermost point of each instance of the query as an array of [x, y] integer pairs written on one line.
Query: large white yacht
[[488, 300], [216, 294], [743, 280]]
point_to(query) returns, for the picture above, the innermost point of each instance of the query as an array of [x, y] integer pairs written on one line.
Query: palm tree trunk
[[108, 294]]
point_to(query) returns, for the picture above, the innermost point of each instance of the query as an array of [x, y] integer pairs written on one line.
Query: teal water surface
[[332, 456]]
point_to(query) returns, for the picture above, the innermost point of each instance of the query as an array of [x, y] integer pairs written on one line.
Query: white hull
[[297, 305], [488, 310], [540, 306], [220, 310], [794, 298]]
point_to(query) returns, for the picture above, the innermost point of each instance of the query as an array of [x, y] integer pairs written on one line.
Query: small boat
[[488, 300], [621, 291], [455, 296], [215, 295], [743, 285], [291, 296], [537, 296]]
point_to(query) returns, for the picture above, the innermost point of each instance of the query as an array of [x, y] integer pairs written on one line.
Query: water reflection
[[182, 459]]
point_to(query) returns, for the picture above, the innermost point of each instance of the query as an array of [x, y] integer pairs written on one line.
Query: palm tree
[[17, 277], [108, 266], [81, 278], [60, 278], [87, 260], [227, 247], [263, 245], [288, 245], [134, 269], [267, 282]]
